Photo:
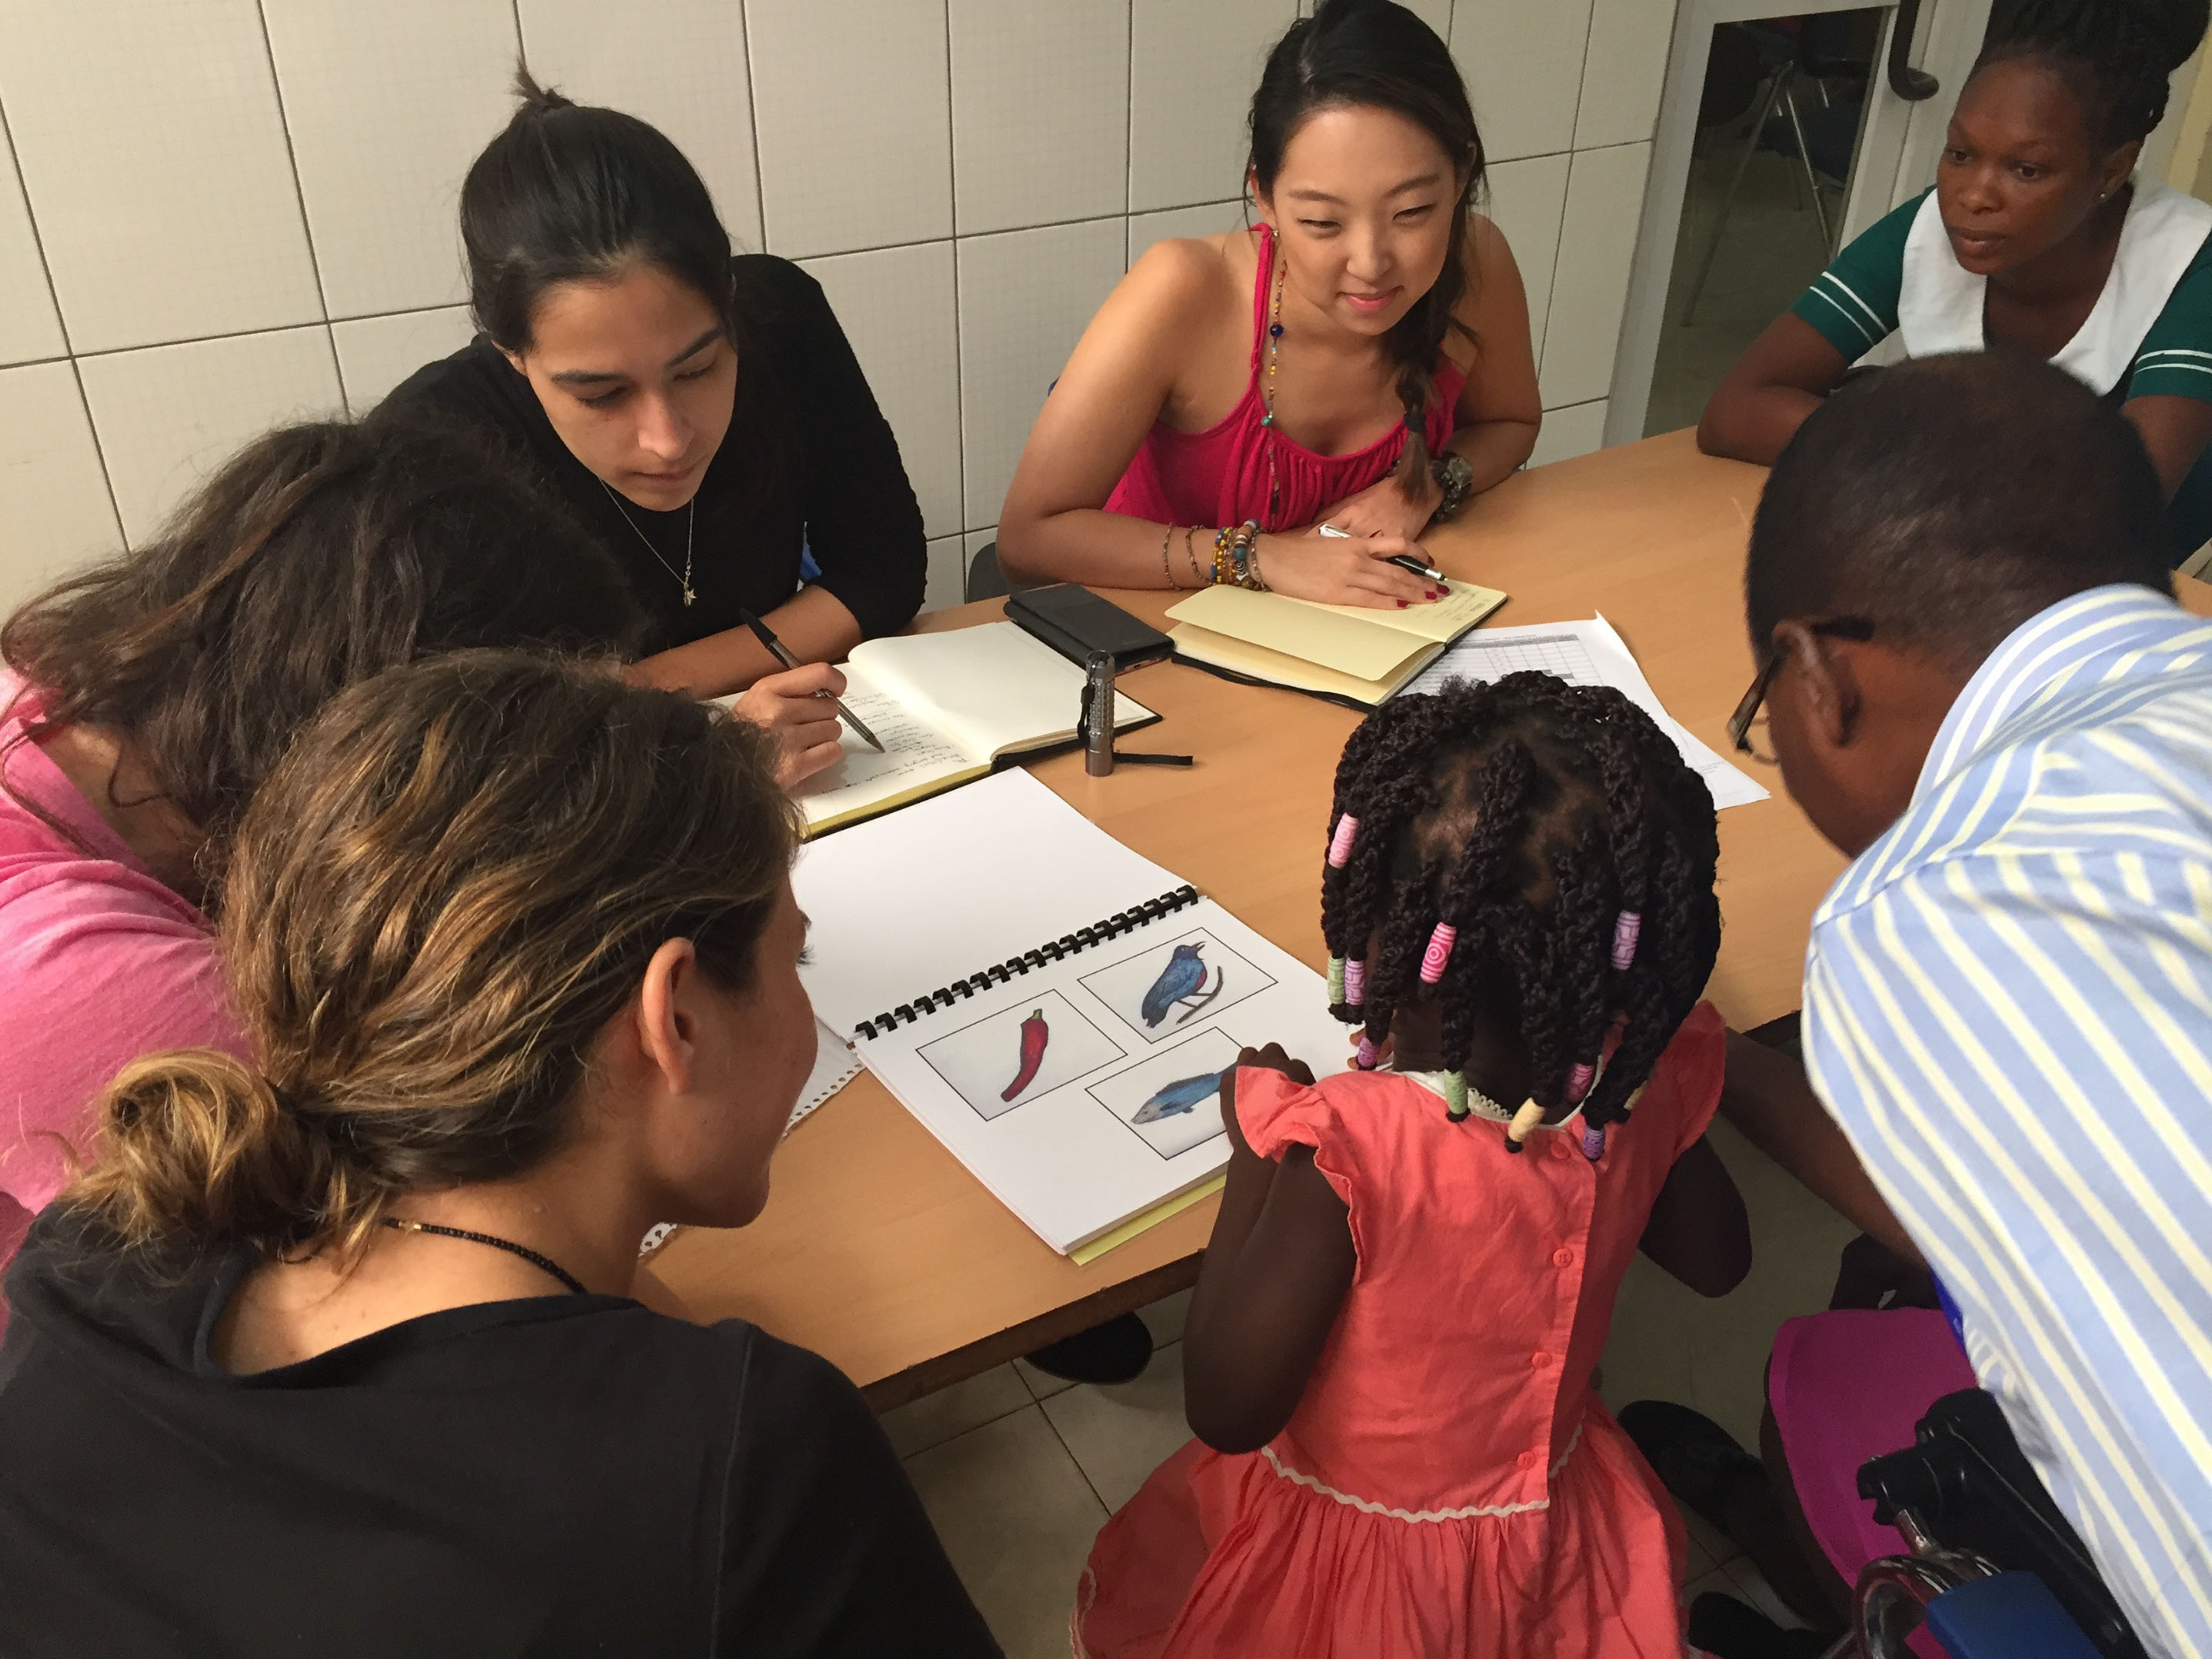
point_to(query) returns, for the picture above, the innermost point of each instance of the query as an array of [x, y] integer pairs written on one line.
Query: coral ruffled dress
[[1450, 1484]]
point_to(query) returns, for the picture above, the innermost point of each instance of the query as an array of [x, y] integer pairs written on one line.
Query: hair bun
[[2175, 27], [540, 100]]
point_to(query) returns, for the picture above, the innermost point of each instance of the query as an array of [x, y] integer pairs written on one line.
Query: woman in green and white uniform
[[2036, 237]]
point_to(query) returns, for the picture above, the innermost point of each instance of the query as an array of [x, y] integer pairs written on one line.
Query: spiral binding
[[1067, 944]]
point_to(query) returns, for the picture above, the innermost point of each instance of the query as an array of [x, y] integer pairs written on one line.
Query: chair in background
[[1995, 1570], [1780, 65]]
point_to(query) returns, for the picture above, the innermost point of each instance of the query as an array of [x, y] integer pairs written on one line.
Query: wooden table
[[880, 1251]]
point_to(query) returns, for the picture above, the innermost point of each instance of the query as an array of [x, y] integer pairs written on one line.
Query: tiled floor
[[1019, 1471]]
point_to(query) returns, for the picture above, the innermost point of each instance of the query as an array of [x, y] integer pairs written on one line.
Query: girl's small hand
[[790, 708], [1382, 509], [1345, 570], [1269, 1059]]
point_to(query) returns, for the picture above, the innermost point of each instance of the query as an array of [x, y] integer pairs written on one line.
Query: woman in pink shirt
[[1359, 359], [144, 699]]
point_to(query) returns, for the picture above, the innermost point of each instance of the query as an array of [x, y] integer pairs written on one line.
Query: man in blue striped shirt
[[1977, 684]]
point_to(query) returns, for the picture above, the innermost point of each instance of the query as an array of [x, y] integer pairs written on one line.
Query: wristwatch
[[1456, 479]]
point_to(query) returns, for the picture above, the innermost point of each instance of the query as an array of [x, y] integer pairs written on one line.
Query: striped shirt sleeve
[[1852, 304], [2175, 358]]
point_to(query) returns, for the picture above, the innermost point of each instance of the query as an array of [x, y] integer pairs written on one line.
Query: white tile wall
[[1575, 430], [896, 307], [1192, 71], [169, 415], [387, 104], [1040, 111], [1622, 73], [54, 493], [216, 271], [1527, 200], [1025, 298], [853, 111], [375, 353], [30, 327], [1605, 197], [686, 73], [155, 158], [1523, 64]]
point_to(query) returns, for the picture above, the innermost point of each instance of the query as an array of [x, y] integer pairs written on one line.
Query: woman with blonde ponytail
[[1358, 363], [337, 1352]]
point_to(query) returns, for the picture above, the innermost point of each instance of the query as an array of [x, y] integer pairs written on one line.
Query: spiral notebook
[[1055, 1009]]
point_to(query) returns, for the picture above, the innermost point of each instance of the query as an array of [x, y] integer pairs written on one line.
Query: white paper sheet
[[1585, 653]]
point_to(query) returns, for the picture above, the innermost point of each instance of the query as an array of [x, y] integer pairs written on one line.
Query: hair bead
[[1593, 1142], [1339, 844], [1336, 992], [1368, 1056], [1433, 959], [1455, 1106], [1579, 1080], [1355, 981], [1523, 1125], [1627, 927]]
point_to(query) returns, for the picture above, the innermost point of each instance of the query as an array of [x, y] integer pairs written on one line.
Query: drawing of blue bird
[[1178, 1098], [1182, 981]]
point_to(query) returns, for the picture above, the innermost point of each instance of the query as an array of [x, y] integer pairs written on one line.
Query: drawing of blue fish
[[1178, 1098]]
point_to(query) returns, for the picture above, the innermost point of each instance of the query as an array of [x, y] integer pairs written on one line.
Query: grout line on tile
[[1128, 128], [1589, 33], [299, 189], [1071, 1457], [752, 119], [107, 475], [210, 339], [38, 240]]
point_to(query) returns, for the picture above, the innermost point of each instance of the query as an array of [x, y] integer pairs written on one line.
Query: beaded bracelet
[[1224, 567], [1240, 547], [1197, 574], [1165, 570]]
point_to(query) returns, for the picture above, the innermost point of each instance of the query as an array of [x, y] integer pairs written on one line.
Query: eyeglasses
[[1749, 713]]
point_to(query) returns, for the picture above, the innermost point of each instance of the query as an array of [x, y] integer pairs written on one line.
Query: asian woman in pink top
[[1358, 359], [144, 700]]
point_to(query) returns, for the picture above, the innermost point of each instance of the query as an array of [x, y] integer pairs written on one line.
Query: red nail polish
[[1402, 604]]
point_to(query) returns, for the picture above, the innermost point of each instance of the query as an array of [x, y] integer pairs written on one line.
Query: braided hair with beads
[[2115, 54], [1530, 845]]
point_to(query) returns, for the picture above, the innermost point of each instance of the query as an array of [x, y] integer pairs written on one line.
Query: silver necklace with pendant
[[690, 522]]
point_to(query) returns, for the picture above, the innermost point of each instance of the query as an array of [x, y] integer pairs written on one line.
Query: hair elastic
[[1336, 981], [1627, 926], [1339, 844], [1369, 1055], [1524, 1123], [1355, 981], [1593, 1143], [1578, 1082], [1634, 1095], [1439, 953]]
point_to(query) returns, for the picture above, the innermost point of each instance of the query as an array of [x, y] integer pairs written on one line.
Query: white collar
[[1940, 305]]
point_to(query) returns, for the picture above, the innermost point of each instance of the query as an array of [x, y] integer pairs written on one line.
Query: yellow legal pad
[[1083, 1255], [1348, 651]]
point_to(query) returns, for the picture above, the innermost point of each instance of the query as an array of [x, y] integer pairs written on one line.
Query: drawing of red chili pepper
[[1035, 1035]]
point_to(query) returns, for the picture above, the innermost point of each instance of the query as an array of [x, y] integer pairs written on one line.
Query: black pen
[[1128, 759], [775, 648], [1405, 561]]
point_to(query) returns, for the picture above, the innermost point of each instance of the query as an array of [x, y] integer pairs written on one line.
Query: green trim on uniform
[[1852, 304], [2175, 358]]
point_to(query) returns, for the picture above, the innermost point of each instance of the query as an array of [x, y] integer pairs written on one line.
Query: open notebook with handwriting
[[1057, 1010]]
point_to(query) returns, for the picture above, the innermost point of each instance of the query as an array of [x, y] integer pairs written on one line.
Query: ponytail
[[195, 1147]]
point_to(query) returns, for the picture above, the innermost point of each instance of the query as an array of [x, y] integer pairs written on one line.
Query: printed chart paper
[[1585, 653]]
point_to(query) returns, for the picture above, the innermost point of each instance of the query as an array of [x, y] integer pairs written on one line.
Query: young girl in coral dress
[[1389, 1359]]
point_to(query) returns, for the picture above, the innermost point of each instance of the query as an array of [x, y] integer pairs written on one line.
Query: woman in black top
[[338, 1355], [704, 417]]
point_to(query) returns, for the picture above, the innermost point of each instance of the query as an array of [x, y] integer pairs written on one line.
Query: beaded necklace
[[1269, 436]]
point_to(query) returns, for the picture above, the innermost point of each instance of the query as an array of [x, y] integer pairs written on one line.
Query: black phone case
[[1075, 621]]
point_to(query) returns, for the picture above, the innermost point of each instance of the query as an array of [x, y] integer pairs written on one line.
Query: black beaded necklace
[[544, 1263]]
